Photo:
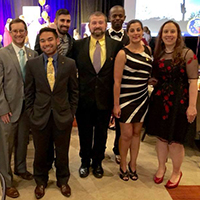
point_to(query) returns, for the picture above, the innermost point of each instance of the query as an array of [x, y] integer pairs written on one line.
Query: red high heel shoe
[[159, 180], [171, 185]]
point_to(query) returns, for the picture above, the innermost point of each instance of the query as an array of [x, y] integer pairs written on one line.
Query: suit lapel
[[29, 53], [108, 48], [87, 50], [42, 70], [87, 56], [60, 67], [14, 58], [108, 52]]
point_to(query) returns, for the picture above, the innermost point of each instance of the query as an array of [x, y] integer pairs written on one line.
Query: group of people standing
[[108, 73]]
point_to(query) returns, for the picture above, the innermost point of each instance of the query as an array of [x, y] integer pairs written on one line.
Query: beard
[[63, 32], [98, 32]]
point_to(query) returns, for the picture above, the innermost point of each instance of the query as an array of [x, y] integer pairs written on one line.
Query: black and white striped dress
[[134, 96]]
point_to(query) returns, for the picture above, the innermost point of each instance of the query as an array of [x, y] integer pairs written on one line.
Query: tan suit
[[12, 100]]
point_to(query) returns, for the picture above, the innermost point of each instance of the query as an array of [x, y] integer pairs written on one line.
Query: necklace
[[169, 52]]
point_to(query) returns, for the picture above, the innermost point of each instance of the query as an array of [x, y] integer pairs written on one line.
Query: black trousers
[[92, 127], [117, 136], [42, 141]]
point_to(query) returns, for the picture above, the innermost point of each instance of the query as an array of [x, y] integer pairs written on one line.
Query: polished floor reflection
[[111, 187]]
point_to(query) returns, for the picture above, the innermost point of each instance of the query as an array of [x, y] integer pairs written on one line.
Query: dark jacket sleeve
[[73, 88], [29, 90]]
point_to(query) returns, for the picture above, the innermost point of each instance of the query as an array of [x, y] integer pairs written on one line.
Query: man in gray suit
[[14, 125]]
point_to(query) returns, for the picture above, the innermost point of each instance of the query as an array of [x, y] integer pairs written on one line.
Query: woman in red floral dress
[[173, 101]]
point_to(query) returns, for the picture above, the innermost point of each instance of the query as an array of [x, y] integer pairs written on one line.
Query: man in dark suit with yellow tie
[[94, 58], [51, 94]]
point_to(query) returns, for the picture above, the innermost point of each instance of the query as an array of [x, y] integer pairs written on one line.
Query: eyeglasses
[[21, 31]]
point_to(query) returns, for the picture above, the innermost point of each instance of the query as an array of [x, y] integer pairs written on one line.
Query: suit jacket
[[11, 82], [95, 88], [41, 101]]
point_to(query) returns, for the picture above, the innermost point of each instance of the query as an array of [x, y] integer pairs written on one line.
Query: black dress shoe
[[98, 171], [39, 191], [83, 171], [65, 190], [26, 175]]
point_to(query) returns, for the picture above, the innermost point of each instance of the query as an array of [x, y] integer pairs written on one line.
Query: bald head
[[117, 7], [117, 17]]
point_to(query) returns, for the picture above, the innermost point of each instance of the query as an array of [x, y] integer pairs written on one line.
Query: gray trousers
[[13, 135]]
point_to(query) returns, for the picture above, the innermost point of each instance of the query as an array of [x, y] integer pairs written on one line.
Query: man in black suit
[[116, 32], [62, 22], [51, 94], [117, 17], [94, 58]]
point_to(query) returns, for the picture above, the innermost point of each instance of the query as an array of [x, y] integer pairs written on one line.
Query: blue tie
[[22, 62]]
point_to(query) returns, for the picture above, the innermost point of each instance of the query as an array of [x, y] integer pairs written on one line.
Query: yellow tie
[[50, 73]]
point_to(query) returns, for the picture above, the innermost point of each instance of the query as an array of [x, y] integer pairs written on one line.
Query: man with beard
[[51, 94], [94, 58], [117, 17], [62, 22]]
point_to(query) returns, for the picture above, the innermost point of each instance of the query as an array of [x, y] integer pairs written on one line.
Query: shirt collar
[[55, 57], [94, 41], [17, 49], [111, 30]]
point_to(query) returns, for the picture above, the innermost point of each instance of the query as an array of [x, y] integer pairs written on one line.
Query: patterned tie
[[60, 49], [22, 62], [50, 73], [97, 58]]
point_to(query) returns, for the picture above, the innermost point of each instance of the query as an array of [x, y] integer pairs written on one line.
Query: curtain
[[79, 9], [6, 11], [99, 5]]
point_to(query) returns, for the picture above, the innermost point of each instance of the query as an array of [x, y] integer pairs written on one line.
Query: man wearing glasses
[[14, 126]]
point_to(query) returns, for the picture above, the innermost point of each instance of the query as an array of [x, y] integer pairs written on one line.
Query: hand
[[191, 113], [112, 120], [117, 111], [152, 81], [6, 118]]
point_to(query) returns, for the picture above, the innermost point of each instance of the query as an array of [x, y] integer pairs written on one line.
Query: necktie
[[113, 33], [50, 73], [22, 62], [97, 57]]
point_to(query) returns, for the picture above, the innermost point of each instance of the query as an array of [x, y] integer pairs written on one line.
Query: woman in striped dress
[[131, 73]]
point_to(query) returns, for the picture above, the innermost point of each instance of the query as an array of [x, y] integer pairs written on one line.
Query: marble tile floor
[[111, 187]]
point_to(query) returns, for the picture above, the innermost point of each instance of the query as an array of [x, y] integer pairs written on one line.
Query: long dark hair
[[160, 46]]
